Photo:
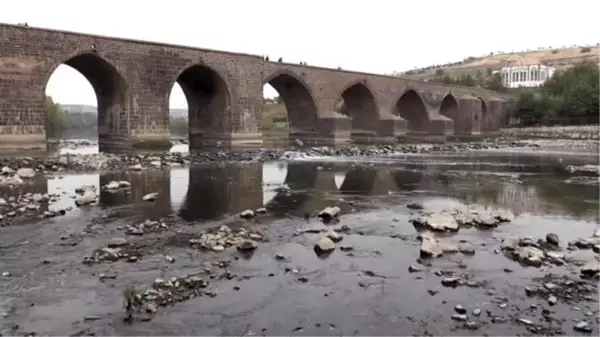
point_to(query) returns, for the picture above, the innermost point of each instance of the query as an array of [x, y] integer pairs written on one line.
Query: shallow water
[[50, 291]]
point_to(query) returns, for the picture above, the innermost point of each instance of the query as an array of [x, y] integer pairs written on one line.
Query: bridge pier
[[335, 129]]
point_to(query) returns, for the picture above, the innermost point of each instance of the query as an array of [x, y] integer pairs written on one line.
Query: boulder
[[430, 247], [440, 221]]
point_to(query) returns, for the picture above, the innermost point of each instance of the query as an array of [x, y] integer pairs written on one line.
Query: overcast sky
[[379, 36]]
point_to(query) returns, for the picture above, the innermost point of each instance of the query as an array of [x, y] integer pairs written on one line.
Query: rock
[[261, 210], [25, 173], [596, 249], [466, 248], [591, 269], [2, 202], [151, 308], [440, 221], [510, 243], [325, 244], [113, 185], [596, 233], [476, 312], [247, 214], [582, 326], [247, 245], [459, 317], [472, 325], [124, 184], [503, 215], [117, 242], [218, 248], [530, 291], [334, 236], [460, 309], [6, 274], [414, 269], [552, 239], [136, 167], [89, 196], [450, 282], [447, 247], [415, 206], [329, 213], [528, 241], [156, 163], [525, 321], [7, 170], [552, 300], [529, 255], [150, 196], [430, 247], [169, 258], [346, 248]]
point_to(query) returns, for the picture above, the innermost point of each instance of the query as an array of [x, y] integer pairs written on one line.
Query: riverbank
[[580, 132]]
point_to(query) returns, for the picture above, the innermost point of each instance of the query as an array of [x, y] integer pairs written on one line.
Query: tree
[[56, 118], [570, 93]]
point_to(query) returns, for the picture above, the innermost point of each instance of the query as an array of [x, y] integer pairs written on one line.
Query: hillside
[[558, 58]]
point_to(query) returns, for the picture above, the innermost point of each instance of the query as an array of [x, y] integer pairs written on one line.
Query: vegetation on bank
[[487, 80], [55, 118], [569, 96]]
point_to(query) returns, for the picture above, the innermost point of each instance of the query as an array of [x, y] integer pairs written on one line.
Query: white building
[[525, 74]]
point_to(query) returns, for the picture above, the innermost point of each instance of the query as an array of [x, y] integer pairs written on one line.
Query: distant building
[[526, 73]]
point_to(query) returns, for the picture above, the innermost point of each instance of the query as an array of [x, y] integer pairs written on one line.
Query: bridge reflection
[[283, 188], [209, 192]]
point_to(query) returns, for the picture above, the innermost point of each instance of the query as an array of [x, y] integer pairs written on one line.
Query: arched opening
[[411, 107], [289, 108], [449, 107], [275, 124], [207, 98], [86, 97], [358, 103], [178, 117]]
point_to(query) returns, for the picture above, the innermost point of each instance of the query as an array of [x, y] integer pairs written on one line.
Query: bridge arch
[[298, 99], [357, 101], [208, 97], [411, 107], [449, 107], [112, 92]]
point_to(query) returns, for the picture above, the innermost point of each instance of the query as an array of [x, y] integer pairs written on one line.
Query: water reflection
[[293, 188], [74, 148]]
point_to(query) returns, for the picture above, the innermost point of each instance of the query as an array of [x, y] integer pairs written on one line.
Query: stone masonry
[[133, 80]]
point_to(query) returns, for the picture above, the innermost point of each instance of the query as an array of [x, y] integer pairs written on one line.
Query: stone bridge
[[133, 80]]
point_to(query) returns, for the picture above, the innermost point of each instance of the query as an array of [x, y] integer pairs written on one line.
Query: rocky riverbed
[[104, 161], [423, 240]]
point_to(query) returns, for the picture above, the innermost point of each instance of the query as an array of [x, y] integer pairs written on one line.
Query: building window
[[515, 77], [543, 75], [523, 76], [533, 75]]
